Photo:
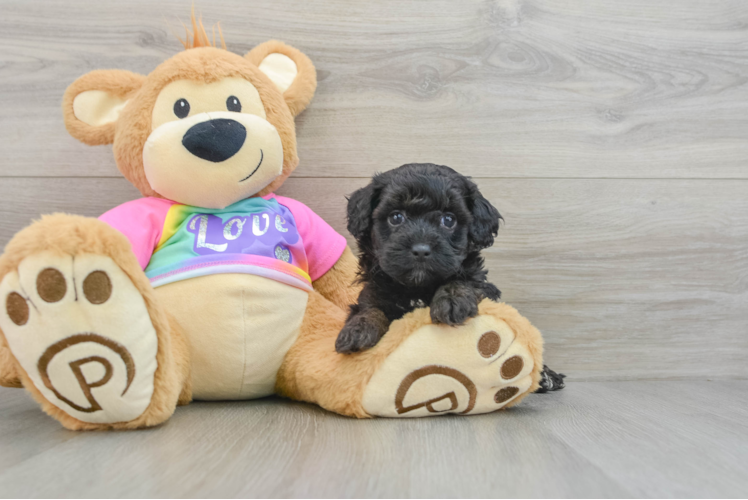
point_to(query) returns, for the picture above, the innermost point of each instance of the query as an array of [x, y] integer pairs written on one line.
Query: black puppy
[[420, 229]]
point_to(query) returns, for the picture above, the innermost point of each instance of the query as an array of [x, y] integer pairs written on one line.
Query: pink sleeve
[[141, 221], [322, 244]]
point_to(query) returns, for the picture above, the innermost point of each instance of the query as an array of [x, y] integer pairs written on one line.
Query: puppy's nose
[[215, 140], [421, 250]]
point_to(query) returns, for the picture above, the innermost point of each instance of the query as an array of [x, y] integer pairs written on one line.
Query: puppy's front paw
[[361, 332], [453, 304], [489, 291]]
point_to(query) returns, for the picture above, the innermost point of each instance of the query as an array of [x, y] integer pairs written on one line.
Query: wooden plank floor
[[593, 439]]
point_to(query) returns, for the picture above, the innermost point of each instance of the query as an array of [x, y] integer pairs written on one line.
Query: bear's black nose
[[215, 140], [421, 250]]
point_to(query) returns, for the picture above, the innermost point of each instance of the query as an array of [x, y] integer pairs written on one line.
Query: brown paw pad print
[[512, 367], [489, 344], [97, 287], [18, 308], [51, 285], [505, 394]]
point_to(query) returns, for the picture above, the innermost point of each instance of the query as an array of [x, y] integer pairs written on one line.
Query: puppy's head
[[419, 222]]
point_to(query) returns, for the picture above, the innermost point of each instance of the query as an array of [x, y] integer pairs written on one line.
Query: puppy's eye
[[396, 218], [181, 108], [233, 104], [449, 221]]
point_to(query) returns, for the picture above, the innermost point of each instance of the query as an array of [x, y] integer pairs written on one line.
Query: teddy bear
[[211, 286]]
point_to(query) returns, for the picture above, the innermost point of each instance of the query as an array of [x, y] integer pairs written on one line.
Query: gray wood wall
[[611, 135]]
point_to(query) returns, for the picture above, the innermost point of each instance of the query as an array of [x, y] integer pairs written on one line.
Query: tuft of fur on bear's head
[[199, 35], [206, 128]]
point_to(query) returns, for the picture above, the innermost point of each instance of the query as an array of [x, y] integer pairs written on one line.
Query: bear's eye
[[449, 221], [181, 108], [233, 104], [396, 218]]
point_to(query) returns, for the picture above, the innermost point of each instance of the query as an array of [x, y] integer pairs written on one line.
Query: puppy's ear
[[485, 225], [361, 205]]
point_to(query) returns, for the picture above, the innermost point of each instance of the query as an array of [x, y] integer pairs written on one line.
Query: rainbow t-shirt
[[274, 237]]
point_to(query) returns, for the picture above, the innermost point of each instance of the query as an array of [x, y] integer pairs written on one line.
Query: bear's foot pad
[[470, 369], [82, 333]]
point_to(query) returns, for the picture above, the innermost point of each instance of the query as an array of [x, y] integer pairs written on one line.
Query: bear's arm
[[337, 284], [142, 222]]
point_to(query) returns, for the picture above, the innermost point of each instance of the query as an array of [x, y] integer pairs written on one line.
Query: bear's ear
[[92, 104], [290, 70]]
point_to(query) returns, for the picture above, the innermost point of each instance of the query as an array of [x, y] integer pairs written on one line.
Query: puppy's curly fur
[[420, 229]]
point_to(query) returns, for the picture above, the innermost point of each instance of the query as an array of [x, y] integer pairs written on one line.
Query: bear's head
[[206, 128]]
